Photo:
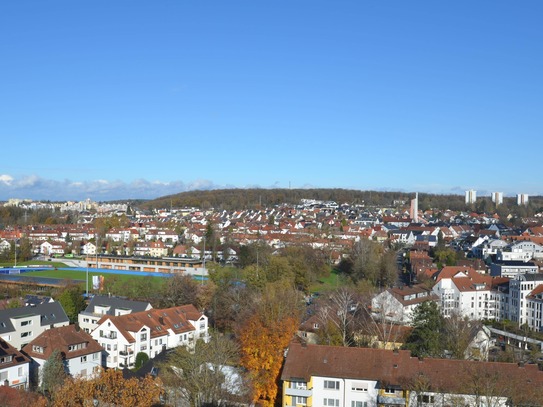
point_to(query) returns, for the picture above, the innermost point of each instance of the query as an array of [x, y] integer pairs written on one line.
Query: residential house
[[14, 367], [81, 354], [88, 249], [50, 248], [19, 326], [164, 235], [5, 246], [157, 249], [397, 304], [315, 375], [150, 332], [101, 305]]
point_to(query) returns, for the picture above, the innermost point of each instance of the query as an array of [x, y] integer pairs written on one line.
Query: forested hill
[[253, 198]]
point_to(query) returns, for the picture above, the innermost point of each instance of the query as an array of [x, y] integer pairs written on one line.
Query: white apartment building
[[317, 376], [150, 332], [522, 309], [497, 198], [19, 326], [101, 305], [464, 291], [471, 196], [522, 199], [512, 269]]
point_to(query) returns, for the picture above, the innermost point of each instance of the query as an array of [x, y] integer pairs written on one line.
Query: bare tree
[[340, 311]]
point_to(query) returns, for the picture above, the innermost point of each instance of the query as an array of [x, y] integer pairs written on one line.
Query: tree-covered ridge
[[237, 199]]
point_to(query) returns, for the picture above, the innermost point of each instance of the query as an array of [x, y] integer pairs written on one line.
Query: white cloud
[[6, 179], [34, 187]]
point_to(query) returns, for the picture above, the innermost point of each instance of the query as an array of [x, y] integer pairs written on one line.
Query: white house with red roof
[[150, 332], [14, 367], [80, 352], [463, 290]]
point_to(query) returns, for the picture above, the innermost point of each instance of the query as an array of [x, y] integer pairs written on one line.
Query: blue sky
[[139, 99]]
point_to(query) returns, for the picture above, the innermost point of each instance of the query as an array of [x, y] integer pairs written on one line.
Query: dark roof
[[51, 313], [115, 303], [518, 263], [36, 300]]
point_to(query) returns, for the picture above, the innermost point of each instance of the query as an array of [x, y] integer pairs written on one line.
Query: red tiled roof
[[400, 368]]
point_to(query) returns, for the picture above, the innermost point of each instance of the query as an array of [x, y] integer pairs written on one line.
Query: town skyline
[[111, 101]]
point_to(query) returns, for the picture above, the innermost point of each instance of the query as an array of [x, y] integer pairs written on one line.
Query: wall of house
[[17, 376]]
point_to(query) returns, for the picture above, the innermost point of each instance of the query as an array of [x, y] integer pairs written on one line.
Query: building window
[[25, 323], [297, 400], [359, 403], [25, 334], [95, 356], [331, 403], [359, 386], [424, 398], [331, 384], [20, 371], [143, 336], [390, 390], [298, 385], [84, 358]]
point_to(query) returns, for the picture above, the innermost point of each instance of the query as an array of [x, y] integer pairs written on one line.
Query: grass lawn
[[34, 263], [328, 283], [81, 275]]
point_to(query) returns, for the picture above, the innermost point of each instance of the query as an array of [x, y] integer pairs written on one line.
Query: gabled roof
[[159, 321], [115, 303], [399, 368], [452, 271], [7, 350], [50, 313], [61, 338]]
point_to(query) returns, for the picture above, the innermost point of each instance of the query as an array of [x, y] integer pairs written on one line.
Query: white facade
[[468, 295], [14, 367], [522, 199], [520, 308], [334, 392], [497, 198], [471, 196], [19, 326], [150, 332], [81, 366]]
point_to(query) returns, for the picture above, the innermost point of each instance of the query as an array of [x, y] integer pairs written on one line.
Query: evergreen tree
[[426, 338], [53, 373]]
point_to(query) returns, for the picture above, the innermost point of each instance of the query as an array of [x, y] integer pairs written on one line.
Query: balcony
[[298, 392], [126, 352], [390, 401], [112, 335]]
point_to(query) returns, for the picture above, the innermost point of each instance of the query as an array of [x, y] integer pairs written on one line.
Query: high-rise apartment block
[[522, 199], [497, 198], [471, 196], [414, 210]]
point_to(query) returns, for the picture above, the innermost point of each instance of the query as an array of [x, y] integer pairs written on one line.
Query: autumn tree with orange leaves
[[108, 388], [265, 336]]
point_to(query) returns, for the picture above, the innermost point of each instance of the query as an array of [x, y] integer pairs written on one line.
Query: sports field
[[78, 274]]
